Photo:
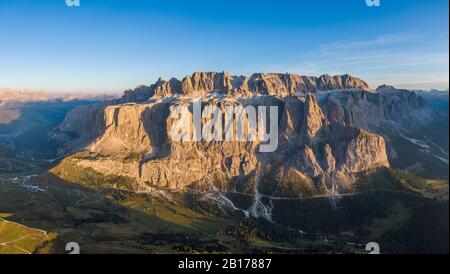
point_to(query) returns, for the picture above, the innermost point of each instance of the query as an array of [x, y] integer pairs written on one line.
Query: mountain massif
[[332, 130]]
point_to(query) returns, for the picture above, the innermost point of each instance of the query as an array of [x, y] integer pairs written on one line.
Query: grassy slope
[[19, 239]]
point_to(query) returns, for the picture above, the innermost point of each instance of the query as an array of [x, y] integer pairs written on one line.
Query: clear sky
[[112, 45]]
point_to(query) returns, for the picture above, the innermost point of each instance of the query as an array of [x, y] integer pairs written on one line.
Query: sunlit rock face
[[326, 133], [274, 84]]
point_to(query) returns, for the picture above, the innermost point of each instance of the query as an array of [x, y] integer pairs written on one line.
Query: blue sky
[[112, 45]]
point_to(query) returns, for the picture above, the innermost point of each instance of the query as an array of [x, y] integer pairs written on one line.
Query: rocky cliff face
[[327, 134], [281, 85], [324, 139], [369, 110]]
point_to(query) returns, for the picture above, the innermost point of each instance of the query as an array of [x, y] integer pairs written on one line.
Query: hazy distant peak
[[7, 94]]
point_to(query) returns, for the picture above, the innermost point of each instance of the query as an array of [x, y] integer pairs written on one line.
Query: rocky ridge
[[274, 84]]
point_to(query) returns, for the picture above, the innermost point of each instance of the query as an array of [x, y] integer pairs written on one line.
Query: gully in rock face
[[230, 124]]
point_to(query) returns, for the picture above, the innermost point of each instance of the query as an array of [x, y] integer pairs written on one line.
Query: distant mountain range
[[24, 96]]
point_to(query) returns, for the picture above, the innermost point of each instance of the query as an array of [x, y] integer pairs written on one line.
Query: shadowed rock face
[[368, 110], [325, 139], [281, 85]]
